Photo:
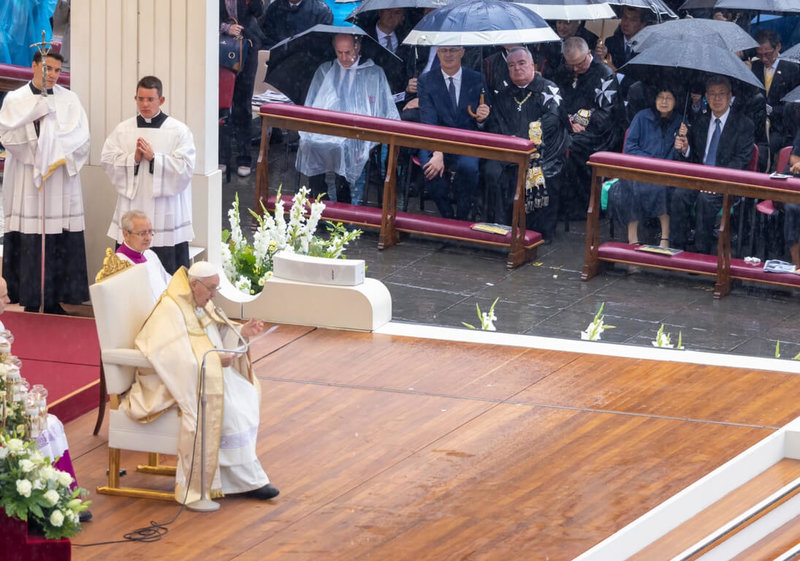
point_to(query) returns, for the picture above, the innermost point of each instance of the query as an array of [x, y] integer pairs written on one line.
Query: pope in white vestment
[[182, 329], [47, 143], [150, 160]]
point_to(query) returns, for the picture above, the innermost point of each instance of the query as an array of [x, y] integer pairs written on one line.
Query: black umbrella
[[723, 34], [480, 23], [293, 61], [374, 5], [693, 57]]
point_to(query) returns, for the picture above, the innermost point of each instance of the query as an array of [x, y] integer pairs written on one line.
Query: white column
[[113, 45]]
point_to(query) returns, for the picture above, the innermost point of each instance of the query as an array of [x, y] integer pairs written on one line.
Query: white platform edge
[[589, 347]]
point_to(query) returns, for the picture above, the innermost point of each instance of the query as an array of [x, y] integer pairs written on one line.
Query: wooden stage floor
[[397, 448]]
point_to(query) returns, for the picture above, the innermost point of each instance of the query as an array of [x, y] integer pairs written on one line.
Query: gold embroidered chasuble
[[174, 340]]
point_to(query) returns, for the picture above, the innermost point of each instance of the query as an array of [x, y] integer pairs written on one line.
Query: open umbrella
[[723, 34], [658, 7], [697, 4], [693, 57], [480, 22], [570, 10], [785, 6], [792, 54], [293, 61], [793, 96], [374, 5]]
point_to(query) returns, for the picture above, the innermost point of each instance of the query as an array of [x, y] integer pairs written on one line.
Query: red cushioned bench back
[[364, 122], [694, 170], [26, 73]]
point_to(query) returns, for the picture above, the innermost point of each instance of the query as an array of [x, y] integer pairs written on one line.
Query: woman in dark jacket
[[652, 133]]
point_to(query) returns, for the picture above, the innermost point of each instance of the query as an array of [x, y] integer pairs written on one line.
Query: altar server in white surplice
[[150, 160], [181, 329], [137, 233], [47, 143]]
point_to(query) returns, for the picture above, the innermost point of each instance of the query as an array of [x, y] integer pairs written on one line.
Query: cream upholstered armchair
[[122, 303]]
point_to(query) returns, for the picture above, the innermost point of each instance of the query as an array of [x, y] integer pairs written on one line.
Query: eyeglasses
[[579, 64], [210, 288], [144, 233]]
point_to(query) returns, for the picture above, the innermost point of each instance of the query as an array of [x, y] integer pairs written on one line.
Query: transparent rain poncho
[[367, 93]]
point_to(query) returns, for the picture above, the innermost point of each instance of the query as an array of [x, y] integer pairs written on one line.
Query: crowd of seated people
[[582, 100]]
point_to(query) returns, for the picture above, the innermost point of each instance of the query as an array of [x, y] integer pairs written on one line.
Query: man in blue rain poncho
[[21, 25], [349, 84]]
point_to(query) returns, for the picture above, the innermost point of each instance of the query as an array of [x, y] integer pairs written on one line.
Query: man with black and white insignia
[[597, 116], [530, 107]]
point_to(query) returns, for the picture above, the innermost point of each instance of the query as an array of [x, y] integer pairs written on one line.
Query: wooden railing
[[13, 77], [396, 134], [729, 183]]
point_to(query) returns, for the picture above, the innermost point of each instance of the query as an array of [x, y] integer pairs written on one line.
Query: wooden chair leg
[[101, 408]]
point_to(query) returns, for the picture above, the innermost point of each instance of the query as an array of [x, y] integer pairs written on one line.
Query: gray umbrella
[[793, 96], [697, 4], [723, 34], [787, 6], [792, 54], [693, 57]]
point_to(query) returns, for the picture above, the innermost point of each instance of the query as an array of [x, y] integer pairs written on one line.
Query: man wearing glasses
[[182, 328], [150, 159], [137, 234], [594, 105], [722, 137]]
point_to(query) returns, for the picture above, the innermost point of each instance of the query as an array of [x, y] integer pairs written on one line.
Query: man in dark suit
[[779, 78], [444, 96], [616, 50], [722, 138]]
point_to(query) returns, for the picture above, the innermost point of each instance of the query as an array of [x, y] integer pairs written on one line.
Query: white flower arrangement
[[595, 329], [32, 489], [487, 319], [248, 267]]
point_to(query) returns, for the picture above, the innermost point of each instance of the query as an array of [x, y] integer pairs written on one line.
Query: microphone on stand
[[204, 503]]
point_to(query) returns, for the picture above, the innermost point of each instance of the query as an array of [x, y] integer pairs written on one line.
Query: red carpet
[[63, 354]]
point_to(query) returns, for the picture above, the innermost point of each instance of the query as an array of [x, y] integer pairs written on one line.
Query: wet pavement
[[439, 283]]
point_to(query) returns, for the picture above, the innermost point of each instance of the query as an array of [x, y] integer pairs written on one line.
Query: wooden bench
[[396, 134], [728, 182]]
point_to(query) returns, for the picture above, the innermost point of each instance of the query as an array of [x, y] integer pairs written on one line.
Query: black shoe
[[84, 516], [265, 493]]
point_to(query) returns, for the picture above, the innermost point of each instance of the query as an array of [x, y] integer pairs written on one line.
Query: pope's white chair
[[122, 303]]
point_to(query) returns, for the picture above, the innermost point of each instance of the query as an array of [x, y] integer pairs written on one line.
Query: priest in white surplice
[[47, 143], [183, 326], [137, 234], [150, 160]]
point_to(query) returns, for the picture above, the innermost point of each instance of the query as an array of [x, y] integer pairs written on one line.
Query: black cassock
[[596, 90], [513, 111]]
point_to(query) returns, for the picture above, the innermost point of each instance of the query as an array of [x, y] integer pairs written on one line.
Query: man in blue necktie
[[722, 138], [445, 94]]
